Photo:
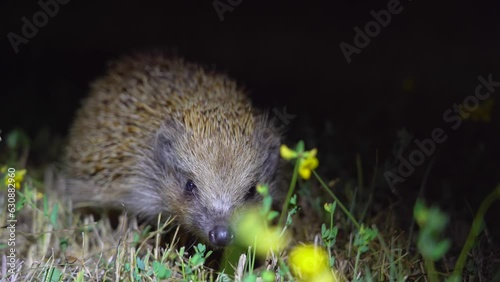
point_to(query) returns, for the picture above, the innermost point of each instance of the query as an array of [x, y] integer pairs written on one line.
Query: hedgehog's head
[[203, 175]]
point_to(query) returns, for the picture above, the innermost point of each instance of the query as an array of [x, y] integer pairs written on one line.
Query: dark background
[[287, 55]]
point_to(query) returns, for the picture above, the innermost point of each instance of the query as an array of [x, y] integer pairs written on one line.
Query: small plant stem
[[183, 269], [358, 255], [132, 266], [431, 270], [342, 207], [329, 247], [284, 211], [331, 220], [252, 266], [475, 230]]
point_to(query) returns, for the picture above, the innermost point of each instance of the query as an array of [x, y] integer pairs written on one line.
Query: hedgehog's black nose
[[220, 236]]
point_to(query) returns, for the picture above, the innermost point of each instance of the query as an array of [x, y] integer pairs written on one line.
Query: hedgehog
[[159, 135]]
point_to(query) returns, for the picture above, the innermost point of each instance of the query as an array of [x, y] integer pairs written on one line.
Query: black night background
[[354, 96]]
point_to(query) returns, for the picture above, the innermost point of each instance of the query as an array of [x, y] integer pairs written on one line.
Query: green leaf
[[160, 271], [197, 259], [334, 206], [272, 215], [17, 138], [201, 248], [46, 207], [268, 276], [332, 261], [324, 232], [456, 278], [53, 215], [224, 278], [250, 278], [266, 203], [432, 223], [63, 244], [370, 234], [420, 212], [188, 270], [440, 250], [290, 214], [140, 264], [137, 277], [52, 275], [136, 238], [300, 147], [335, 231], [20, 203]]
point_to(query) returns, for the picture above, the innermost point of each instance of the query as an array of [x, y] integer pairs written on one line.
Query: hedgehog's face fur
[[203, 179]]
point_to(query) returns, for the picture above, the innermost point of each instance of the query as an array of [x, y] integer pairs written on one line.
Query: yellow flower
[[310, 263], [482, 113], [253, 230], [308, 163], [287, 153], [307, 159], [16, 180]]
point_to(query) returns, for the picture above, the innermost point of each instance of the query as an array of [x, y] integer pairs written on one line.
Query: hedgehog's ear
[[166, 138], [269, 140]]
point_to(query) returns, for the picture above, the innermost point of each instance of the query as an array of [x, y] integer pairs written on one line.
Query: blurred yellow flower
[[483, 112], [310, 263], [308, 163], [287, 153], [253, 230], [17, 179]]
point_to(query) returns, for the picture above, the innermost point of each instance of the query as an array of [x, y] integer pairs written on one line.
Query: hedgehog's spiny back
[[140, 93], [160, 135]]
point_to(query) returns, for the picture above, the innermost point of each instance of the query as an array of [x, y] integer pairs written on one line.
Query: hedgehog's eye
[[190, 186], [251, 192]]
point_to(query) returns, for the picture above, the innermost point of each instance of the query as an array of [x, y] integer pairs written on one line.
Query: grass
[[52, 243]]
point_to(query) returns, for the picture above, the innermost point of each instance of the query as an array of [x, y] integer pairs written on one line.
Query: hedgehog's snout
[[220, 236]]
